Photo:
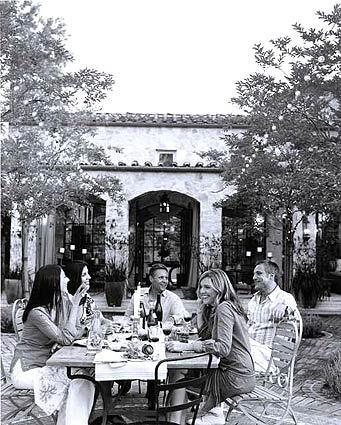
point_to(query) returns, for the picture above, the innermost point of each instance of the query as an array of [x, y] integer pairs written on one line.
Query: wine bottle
[[158, 309], [153, 328], [151, 319]]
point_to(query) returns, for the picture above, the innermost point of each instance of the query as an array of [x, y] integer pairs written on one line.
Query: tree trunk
[[288, 251], [24, 257]]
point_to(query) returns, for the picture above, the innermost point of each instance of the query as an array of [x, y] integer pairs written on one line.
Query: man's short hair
[[155, 267], [270, 267]]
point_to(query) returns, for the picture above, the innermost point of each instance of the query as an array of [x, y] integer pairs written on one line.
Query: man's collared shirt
[[261, 324], [171, 303]]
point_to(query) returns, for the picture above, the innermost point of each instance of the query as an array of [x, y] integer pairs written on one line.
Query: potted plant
[[306, 282], [13, 288], [115, 272], [207, 251]]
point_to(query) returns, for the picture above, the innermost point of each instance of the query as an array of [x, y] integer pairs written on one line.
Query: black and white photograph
[[170, 212]]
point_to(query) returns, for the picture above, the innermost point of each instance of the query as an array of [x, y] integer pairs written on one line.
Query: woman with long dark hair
[[78, 274], [44, 324], [223, 331]]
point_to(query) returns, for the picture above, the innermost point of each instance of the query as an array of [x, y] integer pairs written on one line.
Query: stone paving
[[310, 401]]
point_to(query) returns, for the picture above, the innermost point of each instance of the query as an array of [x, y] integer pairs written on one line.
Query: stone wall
[[142, 143], [204, 186]]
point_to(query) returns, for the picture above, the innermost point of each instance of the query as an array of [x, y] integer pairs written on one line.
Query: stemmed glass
[[167, 328], [187, 319]]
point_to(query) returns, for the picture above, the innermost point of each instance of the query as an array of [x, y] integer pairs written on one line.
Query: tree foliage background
[[44, 103], [288, 161]]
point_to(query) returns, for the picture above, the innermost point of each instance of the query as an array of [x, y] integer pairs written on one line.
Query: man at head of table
[[172, 306]]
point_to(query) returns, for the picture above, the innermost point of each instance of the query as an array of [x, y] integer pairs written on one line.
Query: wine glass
[[153, 333], [187, 319], [167, 328]]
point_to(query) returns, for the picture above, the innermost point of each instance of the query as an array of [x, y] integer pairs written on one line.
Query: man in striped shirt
[[269, 305]]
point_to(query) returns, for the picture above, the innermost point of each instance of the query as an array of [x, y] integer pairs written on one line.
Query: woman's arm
[[221, 346], [42, 320], [72, 323]]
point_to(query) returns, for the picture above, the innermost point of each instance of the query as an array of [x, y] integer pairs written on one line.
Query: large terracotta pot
[[114, 292], [13, 290]]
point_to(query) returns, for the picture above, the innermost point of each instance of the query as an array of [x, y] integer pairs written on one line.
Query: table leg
[[105, 390]]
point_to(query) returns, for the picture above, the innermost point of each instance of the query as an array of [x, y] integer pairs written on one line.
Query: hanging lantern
[[164, 204]]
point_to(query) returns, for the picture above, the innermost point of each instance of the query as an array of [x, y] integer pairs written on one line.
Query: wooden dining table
[[78, 357]]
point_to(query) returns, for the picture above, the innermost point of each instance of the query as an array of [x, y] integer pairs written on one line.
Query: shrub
[[6, 320], [332, 374], [312, 325]]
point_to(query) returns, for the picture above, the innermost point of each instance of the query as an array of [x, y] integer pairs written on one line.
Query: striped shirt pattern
[[261, 324]]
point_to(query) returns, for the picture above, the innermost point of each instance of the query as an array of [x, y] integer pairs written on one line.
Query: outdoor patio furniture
[[162, 388], [17, 314], [78, 357], [18, 404], [271, 398]]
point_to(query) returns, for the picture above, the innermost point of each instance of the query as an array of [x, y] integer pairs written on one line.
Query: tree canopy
[[43, 104], [289, 157]]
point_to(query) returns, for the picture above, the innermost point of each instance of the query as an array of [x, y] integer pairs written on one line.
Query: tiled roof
[[165, 120]]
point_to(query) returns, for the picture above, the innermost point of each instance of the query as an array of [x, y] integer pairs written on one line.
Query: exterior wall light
[[164, 204]]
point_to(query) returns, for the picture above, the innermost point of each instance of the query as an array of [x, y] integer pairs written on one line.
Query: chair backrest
[[17, 314], [197, 382], [285, 344]]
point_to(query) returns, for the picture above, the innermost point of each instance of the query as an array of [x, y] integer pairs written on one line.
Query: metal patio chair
[[17, 314], [272, 396], [164, 388], [18, 404]]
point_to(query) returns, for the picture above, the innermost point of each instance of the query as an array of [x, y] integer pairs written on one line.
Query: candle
[[248, 253], [84, 251], [137, 297], [269, 254], [259, 249], [72, 247], [62, 250]]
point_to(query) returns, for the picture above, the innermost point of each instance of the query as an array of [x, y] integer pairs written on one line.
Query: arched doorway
[[163, 227]]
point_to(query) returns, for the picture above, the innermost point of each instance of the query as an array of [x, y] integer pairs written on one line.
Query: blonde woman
[[223, 331]]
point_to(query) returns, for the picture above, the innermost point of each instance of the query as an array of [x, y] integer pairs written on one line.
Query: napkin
[[81, 342], [108, 356]]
